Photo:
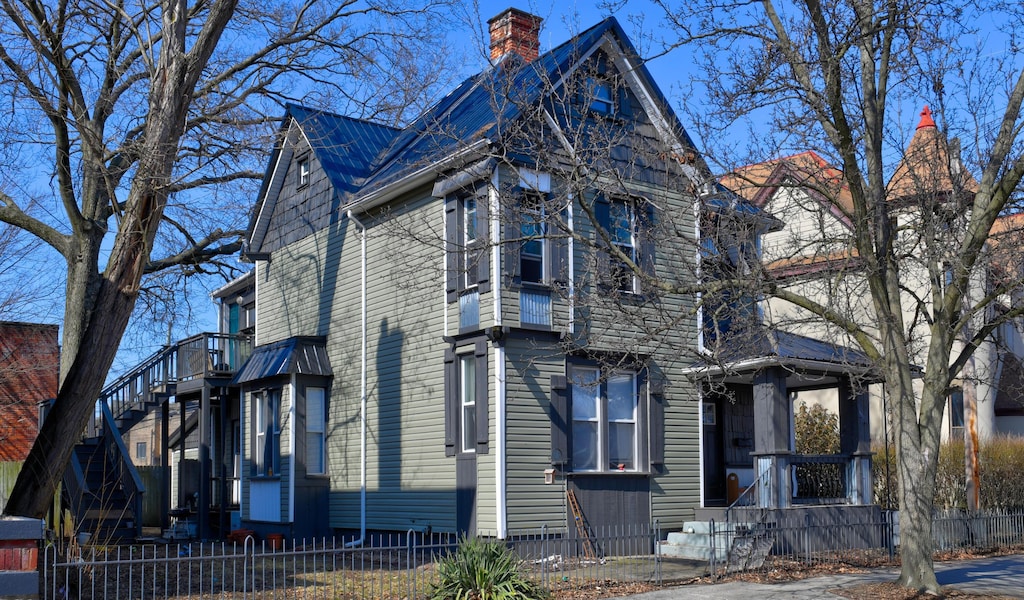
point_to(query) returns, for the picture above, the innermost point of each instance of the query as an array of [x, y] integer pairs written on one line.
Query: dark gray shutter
[[451, 402], [656, 421], [560, 421], [512, 245], [452, 242], [602, 214], [646, 235], [558, 247], [482, 412], [483, 234]]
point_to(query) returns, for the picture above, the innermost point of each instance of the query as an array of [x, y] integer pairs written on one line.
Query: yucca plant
[[480, 570]]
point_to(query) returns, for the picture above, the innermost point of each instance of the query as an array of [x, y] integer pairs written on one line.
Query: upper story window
[[303, 171], [466, 243], [470, 227], [533, 231], [623, 234], [629, 224]]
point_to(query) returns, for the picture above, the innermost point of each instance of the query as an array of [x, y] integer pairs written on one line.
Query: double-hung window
[[316, 428], [469, 241], [533, 230], [604, 420], [623, 235], [465, 400], [467, 403], [266, 453]]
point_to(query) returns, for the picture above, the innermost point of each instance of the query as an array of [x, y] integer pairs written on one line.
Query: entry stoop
[[694, 542]]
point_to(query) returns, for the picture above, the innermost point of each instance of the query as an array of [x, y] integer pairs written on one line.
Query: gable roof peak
[[926, 118]]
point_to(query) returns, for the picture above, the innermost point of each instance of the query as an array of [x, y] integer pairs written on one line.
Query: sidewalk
[[1001, 575]]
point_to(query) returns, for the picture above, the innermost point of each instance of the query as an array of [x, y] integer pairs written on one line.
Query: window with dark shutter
[[629, 226], [467, 262], [605, 421], [466, 401]]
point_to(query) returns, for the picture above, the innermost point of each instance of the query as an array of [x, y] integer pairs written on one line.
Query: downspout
[[499, 359], [362, 386]]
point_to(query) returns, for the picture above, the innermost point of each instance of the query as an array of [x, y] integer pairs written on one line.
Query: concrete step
[[694, 541]]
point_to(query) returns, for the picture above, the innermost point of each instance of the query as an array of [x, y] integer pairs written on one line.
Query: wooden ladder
[[581, 526]]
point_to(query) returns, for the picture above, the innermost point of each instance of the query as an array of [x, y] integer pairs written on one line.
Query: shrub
[[1001, 460], [817, 430], [480, 570]]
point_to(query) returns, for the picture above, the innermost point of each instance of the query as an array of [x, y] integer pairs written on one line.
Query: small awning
[[297, 355]]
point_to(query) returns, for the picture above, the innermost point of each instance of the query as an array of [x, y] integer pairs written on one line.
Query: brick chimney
[[515, 31]]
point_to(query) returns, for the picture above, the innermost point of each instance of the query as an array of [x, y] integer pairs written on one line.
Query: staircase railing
[[132, 390], [131, 481]]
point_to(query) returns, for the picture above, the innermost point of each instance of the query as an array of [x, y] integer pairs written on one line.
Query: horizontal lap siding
[[529, 367], [410, 483]]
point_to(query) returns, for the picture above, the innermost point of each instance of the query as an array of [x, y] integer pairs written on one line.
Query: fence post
[[713, 559], [807, 539], [19, 557]]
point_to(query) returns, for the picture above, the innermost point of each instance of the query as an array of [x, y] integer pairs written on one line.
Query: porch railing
[[803, 479], [211, 354]]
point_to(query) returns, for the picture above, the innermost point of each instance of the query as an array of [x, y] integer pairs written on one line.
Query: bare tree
[[149, 119], [837, 77]]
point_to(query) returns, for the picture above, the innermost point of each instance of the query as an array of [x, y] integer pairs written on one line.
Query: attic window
[[602, 100], [303, 171]]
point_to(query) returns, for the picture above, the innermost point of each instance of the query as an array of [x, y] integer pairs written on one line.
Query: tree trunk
[[37, 482]]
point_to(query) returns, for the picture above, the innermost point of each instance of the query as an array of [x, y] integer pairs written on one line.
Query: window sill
[[571, 474]]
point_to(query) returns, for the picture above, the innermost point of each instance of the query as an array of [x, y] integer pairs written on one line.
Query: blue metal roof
[[360, 155], [297, 355], [345, 147]]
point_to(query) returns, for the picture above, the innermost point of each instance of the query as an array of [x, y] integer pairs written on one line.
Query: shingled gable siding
[[301, 209]]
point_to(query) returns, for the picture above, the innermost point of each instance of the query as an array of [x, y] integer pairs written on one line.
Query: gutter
[[763, 362], [362, 386], [415, 179]]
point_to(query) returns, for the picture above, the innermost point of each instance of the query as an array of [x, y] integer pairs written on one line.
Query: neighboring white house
[[814, 254]]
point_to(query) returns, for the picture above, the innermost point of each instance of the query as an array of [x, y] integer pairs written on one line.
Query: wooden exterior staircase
[[101, 485]]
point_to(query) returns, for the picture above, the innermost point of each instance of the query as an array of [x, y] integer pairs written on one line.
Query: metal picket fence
[[403, 566], [802, 542], [386, 567]]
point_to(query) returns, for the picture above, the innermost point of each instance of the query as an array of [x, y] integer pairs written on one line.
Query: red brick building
[[29, 372]]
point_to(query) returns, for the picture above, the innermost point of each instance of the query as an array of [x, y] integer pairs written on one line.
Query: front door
[[713, 454]]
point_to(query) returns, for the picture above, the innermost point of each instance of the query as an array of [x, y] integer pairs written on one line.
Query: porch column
[[772, 421], [203, 505], [855, 441]]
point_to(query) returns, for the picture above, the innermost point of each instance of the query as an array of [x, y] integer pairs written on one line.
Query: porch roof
[[296, 355], [768, 347]]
